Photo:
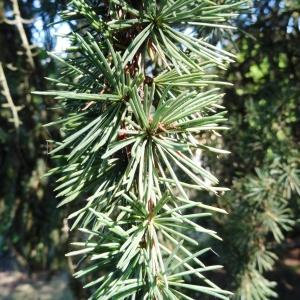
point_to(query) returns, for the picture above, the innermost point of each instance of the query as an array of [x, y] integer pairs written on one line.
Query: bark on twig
[[18, 22], [7, 95]]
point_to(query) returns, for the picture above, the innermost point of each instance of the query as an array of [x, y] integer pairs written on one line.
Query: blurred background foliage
[[263, 170]]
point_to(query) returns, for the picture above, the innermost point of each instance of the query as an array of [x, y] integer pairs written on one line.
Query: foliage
[[267, 90], [264, 170], [169, 63], [261, 215], [137, 89]]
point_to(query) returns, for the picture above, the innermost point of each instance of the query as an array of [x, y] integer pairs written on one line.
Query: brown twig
[[18, 22], [7, 95]]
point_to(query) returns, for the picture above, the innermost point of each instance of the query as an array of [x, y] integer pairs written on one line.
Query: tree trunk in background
[[31, 229]]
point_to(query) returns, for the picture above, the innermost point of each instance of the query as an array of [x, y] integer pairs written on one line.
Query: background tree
[[263, 169], [30, 226]]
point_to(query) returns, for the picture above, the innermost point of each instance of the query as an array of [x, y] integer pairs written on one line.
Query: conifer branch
[[127, 156]]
